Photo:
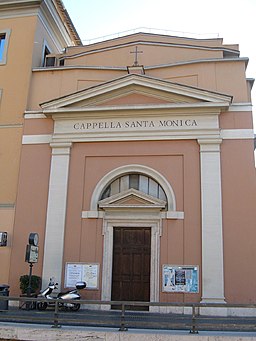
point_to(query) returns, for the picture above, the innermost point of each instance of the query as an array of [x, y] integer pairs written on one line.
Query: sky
[[232, 20]]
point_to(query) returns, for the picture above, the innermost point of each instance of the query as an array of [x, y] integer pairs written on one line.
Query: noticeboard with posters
[[180, 278], [77, 272]]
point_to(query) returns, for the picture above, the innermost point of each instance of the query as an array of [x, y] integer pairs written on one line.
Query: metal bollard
[[193, 330], [122, 327], [56, 315]]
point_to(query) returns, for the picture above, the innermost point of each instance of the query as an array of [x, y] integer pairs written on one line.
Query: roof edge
[[67, 21]]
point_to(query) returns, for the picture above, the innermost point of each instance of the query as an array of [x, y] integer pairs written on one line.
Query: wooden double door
[[131, 264]]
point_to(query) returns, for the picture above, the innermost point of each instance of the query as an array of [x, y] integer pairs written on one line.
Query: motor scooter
[[72, 294]]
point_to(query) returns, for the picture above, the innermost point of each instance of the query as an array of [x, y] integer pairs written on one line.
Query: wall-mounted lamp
[[3, 238]]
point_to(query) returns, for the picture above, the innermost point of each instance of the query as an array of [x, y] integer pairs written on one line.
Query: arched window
[[136, 181], [153, 179]]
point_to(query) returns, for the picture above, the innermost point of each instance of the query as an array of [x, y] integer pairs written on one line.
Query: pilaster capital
[[61, 148], [209, 144]]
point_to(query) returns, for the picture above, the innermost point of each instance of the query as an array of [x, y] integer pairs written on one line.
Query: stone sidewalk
[[27, 332]]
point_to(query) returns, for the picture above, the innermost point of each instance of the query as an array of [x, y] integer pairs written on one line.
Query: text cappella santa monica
[[135, 124]]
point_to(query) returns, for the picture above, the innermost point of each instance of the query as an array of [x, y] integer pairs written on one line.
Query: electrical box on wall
[[3, 238]]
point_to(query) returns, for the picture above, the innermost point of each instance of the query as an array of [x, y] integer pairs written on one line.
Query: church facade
[[137, 171]]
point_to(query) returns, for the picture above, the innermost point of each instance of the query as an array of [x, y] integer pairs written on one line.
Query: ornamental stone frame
[[125, 216], [156, 231]]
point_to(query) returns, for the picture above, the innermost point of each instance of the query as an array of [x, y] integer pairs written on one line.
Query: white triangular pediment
[[131, 199], [135, 92]]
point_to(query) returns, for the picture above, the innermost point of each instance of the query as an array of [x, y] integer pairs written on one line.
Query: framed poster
[[180, 278], [86, 272]]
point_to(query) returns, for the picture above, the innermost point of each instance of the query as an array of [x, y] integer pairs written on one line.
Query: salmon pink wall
[[178, 162], [239, 221], [38, 126]]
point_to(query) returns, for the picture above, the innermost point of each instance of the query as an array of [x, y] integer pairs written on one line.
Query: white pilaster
[[211, 206], [56, 212]]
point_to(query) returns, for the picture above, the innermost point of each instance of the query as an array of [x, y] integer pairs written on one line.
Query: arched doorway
[[132, 200]]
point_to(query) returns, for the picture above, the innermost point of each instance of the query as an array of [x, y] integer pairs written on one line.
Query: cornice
[[142, 110], [89, 49], [57, 25], [198, 61], [4, 206], [203, 137], [19, 9], [49, 12], [67, 21], [149, 67], [16, 4], [10, 126]]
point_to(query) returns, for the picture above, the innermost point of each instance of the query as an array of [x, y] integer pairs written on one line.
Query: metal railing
[[129, 315], [151, 30]]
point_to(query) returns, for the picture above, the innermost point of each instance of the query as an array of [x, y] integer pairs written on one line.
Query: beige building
[[135, 162], [28, 31]]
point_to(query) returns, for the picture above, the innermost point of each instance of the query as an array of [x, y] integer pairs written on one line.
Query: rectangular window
[[2, 43], [4, 38], [46, 52]]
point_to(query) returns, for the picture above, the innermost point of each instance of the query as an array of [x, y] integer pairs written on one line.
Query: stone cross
[[136, 56]]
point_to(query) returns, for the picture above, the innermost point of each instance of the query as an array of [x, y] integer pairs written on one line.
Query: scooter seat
[[63, 293]]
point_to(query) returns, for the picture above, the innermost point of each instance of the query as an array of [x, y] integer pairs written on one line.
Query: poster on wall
[[182, 278], [86, 272]]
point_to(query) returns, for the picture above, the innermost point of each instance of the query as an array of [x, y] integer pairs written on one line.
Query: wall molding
[[225, 134]]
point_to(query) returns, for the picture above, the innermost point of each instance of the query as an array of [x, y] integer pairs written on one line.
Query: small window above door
[[135, 181]]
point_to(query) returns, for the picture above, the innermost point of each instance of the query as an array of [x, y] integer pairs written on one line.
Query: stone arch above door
[[170, 213]]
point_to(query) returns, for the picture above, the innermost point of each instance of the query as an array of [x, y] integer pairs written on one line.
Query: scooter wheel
[[75, 307], [41, 305]]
